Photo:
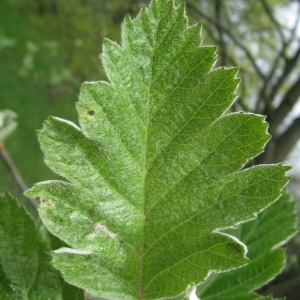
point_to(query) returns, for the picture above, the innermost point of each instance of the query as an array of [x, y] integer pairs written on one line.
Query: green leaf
[[263, 236], [25, 269], [155, 169], [8, 124]]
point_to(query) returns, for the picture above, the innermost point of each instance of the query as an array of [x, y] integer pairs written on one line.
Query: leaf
[[154, 170], [263, 236], [8, 124], [25, 269]]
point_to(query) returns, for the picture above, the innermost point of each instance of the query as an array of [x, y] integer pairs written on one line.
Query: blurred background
[[49, 47]]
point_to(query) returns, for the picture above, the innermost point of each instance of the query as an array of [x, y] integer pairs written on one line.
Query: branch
[[289, 66], [16, 174], [267, 85], [285, 107], [294, 30], [289, 63], [286, 142], [273, 20]]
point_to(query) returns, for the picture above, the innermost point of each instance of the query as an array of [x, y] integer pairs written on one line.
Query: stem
[[8, 162]]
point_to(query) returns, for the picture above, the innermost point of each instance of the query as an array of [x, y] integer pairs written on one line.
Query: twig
[[288, 102], [273, 20], [264, 97], [16, 174], [294, 30], [290, 64], [268, 94], [286, 142]]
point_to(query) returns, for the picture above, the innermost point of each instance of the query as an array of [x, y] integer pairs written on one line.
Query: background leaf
[[8, 123], [154, 170], [273, 227], [25, 269]]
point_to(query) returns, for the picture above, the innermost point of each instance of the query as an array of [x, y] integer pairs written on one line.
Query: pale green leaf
[[8, 123], [25, 269], [273, 227], [154, 170]]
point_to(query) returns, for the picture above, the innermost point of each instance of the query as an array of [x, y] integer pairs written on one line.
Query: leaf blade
[[156, 158]]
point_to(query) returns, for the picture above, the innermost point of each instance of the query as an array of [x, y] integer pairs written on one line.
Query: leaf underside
[[154, 170]]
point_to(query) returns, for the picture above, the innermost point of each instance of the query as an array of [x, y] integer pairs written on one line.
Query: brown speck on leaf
[[91, 112]]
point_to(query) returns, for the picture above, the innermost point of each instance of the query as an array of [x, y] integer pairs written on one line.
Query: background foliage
[[47, 48]]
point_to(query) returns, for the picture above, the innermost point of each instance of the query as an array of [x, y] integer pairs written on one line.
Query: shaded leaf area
[[25, 269], [154, 170], [263, 236]]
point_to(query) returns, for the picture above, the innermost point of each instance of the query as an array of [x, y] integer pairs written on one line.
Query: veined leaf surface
[[154, 170]]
